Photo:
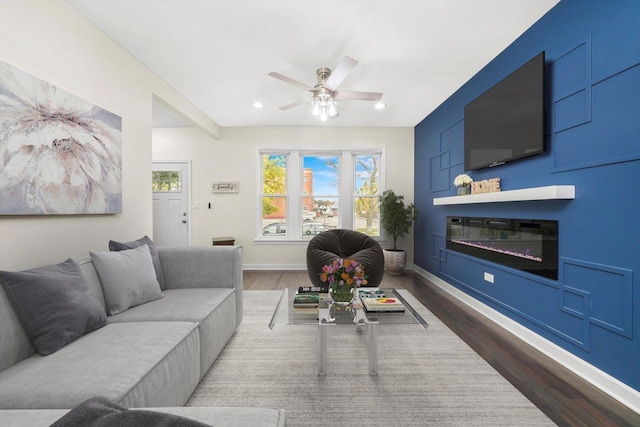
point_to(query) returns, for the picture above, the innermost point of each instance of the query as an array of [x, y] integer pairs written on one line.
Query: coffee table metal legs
[[322, 348], [373, 347]]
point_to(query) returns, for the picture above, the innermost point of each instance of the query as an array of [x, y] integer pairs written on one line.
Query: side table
[[223, 241]]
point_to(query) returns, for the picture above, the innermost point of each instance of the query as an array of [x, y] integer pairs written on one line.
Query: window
[[166, 181], [274, 194], [307, 192], [320, 193], [367, 190]]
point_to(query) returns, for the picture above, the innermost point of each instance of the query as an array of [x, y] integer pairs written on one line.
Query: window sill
[[281, 241]]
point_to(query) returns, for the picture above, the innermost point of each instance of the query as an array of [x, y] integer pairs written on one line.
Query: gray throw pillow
[[128, 278], [53, 304], [119, 246]]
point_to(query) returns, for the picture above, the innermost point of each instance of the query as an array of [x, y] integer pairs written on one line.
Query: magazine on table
[[376, 300], [308, 296]]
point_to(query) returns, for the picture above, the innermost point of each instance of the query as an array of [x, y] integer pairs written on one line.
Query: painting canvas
[[59, 154]]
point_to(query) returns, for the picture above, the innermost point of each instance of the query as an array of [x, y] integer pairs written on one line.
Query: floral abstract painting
[[58, 153]]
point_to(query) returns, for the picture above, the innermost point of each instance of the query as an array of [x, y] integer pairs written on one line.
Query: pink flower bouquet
[[343, 276]]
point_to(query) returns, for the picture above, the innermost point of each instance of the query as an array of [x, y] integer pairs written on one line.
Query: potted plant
[[396, 219]]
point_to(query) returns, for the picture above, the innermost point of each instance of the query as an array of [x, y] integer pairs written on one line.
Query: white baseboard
[[274, 267], [605, 382]]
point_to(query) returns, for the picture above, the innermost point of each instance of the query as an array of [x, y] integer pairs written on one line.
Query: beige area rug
[[427, 377]]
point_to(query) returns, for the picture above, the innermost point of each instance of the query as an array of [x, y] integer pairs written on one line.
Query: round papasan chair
[[341, 243]]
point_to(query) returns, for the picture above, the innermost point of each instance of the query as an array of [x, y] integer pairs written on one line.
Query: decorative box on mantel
[[552, 192]]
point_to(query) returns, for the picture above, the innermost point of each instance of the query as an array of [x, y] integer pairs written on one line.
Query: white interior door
[[171, 215]]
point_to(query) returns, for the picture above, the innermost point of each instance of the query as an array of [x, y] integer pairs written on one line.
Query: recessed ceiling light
[[380, 105], [258, 104]]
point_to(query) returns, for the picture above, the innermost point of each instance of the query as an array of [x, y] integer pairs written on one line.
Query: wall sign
[[225, 187], [485, 186]]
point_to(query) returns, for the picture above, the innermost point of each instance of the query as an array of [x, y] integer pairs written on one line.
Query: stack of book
[[378, 301], [308, 296]]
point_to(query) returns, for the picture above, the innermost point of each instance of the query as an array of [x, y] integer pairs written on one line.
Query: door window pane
[[166, 181]]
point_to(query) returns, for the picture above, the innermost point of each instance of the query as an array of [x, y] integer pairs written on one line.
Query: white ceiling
[[217, 53]]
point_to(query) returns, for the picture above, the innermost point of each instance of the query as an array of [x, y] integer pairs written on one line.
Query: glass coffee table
[[330, 314]]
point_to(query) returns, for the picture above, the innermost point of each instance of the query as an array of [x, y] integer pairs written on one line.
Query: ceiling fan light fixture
[[324, 106], [325, 92], [333, 108]]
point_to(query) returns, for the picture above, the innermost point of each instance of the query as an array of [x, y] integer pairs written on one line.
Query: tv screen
[[507, 121]]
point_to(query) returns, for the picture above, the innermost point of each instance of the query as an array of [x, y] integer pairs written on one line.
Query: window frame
[[295, 189]]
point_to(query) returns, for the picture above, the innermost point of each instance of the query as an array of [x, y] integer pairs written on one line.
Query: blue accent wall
[[592, 84]]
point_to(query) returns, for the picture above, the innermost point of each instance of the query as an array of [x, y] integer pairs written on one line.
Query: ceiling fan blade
[[355, 95], [340, 73], [291, 81], [295, 104]]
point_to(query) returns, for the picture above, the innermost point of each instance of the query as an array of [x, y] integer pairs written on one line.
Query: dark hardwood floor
[[563, 396]]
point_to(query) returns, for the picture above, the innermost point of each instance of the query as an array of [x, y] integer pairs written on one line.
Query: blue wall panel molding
[[615, 99], [600, 85], [517, 294], [571, 97], [439, 174], [592, 50], [439, 247], [607, 292]]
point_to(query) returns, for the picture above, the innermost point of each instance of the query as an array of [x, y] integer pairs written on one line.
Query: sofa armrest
[[204, 267]]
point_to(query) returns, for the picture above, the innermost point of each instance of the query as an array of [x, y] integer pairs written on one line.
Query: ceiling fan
[[325, 93]]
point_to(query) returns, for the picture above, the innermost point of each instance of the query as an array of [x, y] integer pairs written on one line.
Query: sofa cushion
[[213, 310], [137, 364], [128, 278], [120, 246], [219, 416], [53, 304], [11, 331], [101, 412]]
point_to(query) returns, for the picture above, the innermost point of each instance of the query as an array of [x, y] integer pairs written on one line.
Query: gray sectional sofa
[[150, 355]]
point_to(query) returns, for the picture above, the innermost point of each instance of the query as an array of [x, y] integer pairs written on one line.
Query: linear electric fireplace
[[526, 244]]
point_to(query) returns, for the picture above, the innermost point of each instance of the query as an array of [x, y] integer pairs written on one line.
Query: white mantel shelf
[[552, 192]]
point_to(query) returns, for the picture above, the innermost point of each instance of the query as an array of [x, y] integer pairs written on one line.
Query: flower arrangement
[[462, 180], [343, 275]]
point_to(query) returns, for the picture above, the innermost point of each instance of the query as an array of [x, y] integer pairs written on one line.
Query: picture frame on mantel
[[225, 187], [61, 155]]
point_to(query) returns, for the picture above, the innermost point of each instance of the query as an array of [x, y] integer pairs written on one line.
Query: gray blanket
[[100, 412]]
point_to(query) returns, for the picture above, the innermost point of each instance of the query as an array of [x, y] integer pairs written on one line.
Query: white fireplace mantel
[[552, 192]]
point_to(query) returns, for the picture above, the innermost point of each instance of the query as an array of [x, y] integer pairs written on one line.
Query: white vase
[[464, 190]]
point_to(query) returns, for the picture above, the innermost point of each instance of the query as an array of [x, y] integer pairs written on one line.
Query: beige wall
[[51, 41], [234, 157]]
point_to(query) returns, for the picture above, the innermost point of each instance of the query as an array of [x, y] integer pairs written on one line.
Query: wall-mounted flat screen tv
[[507, 121]]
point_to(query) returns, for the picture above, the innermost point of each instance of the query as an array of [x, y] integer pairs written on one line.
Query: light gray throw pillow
[[145, 240], [128, 278], [53, 304]]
